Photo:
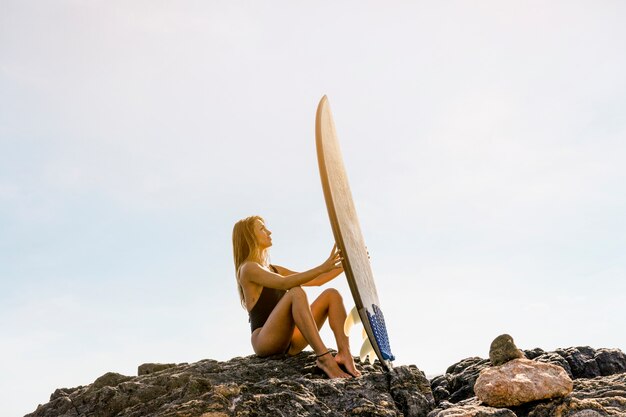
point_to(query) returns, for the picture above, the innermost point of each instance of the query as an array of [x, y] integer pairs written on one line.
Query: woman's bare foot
[[327, 364], [346, 359]]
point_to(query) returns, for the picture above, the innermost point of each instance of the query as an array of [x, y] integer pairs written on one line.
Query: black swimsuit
[[264, 306]]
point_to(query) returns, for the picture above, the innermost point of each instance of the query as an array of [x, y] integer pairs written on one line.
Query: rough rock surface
[[521, 381], [457, 383], [250, 386], [586, 362], [282, 386], [503, 349], [469, 408], [603, 395]]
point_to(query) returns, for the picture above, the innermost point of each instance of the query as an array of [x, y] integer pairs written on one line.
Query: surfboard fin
[[367, 351], [352, 319]]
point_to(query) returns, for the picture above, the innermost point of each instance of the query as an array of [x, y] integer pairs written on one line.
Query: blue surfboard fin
[[377, 323]]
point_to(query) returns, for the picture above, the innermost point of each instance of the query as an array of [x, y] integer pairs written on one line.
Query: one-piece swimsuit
[[268, 299]]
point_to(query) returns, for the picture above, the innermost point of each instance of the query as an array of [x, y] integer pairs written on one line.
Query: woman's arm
[[325, 277], [253, 272], [315, 282]]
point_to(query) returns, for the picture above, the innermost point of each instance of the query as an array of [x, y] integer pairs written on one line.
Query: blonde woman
[[281, 319]]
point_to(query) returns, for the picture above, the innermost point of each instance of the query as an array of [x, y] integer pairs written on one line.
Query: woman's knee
[[332, 294], [297, 293]]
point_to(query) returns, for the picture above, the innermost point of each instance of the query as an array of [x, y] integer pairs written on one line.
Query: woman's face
[[262, 234]]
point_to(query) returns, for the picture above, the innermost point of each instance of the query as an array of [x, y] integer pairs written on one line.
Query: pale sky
[[485, 144]]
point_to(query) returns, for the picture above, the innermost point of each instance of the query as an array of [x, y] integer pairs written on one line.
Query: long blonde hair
[[246, 247]]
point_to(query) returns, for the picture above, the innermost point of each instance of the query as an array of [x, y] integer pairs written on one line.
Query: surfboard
[[348, 236]]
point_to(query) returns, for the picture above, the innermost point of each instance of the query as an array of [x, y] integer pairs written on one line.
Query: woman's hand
[[333, 261]]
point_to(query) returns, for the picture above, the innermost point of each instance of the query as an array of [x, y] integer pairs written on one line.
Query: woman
[[280, 316]]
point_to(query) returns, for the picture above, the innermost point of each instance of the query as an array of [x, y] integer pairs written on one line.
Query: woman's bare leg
[[274, 337], [329, 305]]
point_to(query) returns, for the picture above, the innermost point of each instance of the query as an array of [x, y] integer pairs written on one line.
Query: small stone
[[110, 379], [150, 368], [521, 381], [503, 349]]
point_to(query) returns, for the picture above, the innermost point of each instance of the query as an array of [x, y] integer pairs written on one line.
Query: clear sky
[[485, 144]]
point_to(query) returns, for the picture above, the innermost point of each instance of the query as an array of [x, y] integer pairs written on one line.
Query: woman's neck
[[259, 258]]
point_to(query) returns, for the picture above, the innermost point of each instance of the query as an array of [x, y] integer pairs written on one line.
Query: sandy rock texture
[[521, 381]]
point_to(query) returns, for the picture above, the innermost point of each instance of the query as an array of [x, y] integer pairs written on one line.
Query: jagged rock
[[110, 379], [150, 368], [503, 350], [440, 385], [469, 408], [533, 353], [458, 382], [521, 381], [600, 396], [556, 359], [250, 386], [62, 392], [610, 361], [586, 362], [402, 385], [282, 386]]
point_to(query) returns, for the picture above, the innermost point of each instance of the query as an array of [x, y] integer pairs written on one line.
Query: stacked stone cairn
[[513, 380]]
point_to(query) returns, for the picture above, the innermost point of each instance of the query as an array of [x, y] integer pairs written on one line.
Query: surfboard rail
[[347, 233]]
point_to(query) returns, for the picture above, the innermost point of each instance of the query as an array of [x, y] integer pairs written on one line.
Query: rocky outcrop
[[521, 381], [599, 378], [457, 383], [293, 386], [250, 386], [583, 361]]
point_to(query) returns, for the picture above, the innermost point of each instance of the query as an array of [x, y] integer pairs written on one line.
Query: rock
[[403, 382], [150, 368], [439, 386], [586, 413], [469, 408], [250, 386], [610, 361], [293, 386], [521, 381], [458, 382], [600, 396], [556, 359], [110, 379], [62, 392], [586, 362], [533, 353], [503, 349], [581, 361]]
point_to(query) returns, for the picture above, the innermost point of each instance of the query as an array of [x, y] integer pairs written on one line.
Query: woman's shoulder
[[249, 267]]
